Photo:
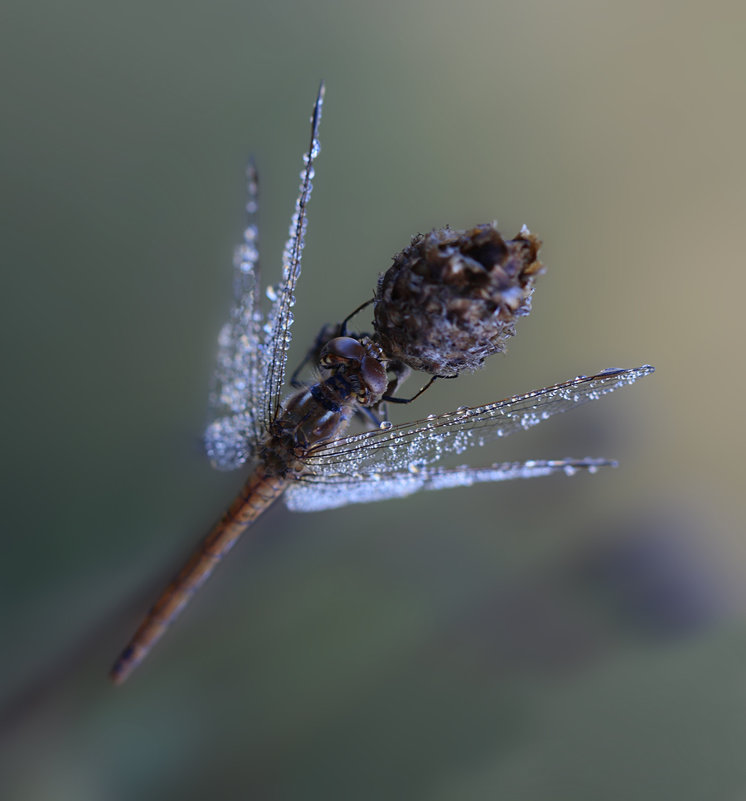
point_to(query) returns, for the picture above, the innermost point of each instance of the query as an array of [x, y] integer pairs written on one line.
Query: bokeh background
[[562, 638]]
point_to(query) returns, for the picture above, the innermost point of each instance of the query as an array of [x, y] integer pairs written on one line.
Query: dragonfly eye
[[374, 376], [340, 350]]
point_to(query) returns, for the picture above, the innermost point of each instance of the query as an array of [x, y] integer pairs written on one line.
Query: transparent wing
[[411, 446], [280, 318], [314, 493], [233, 427]]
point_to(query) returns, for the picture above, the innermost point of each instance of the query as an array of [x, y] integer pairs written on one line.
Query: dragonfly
[[300, 447]]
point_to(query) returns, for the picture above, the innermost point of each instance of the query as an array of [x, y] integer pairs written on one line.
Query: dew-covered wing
[[413, 445], [314, 493], [280, 318], [233, 427]]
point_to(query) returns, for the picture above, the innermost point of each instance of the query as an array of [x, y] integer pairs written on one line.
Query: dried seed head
[[450, 299]]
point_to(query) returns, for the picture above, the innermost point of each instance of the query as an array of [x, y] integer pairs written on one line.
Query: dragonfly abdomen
[[257, 494]]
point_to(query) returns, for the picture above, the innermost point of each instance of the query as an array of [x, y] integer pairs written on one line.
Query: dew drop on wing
[[247, 259], [385, 425]]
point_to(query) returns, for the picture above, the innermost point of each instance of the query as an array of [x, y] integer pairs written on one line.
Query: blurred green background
[[557, 638]]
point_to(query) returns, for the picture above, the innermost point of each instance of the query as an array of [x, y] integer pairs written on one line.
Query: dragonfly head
[[361, 363]]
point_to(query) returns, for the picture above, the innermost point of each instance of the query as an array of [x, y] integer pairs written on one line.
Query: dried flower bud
[[450, 299]]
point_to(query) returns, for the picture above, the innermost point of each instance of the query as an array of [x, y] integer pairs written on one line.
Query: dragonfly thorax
[[315, 414]]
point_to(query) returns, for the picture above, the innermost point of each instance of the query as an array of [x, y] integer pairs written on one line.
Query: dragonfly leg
[[417, 395], [343, 324]]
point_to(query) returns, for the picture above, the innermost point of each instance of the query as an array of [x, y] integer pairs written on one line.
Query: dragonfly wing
[[314, 493], [280, 318], [233, 427], [414, 445]]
